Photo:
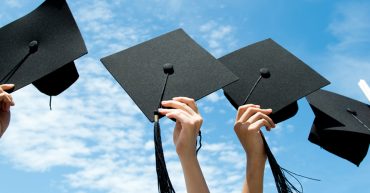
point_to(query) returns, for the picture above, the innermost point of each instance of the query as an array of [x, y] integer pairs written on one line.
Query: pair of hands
[[250, 118], [6, 101]]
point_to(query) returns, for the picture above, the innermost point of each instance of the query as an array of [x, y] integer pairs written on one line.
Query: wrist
[[189, 157]]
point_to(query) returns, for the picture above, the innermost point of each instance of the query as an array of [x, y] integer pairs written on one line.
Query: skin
[[188, 123], [6, 101], [249, 120]]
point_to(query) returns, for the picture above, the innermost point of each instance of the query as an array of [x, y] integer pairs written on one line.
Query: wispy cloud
[[106, 31], [214, 97], [219, 37], [350, 25], [347, 59]]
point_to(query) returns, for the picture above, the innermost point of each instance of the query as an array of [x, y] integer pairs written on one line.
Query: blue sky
[[96, 140]]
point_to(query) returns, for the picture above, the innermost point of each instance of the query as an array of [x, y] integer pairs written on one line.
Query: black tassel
[[283, 185], [164, 182], [50, 103], [200, 142]]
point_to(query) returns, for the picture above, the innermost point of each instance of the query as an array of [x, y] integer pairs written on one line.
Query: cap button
[[33, 46], [168, 68], [353, 112], [265, 73]]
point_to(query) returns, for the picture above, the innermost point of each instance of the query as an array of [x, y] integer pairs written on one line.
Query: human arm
[[249, 120], [6, 101], [188, 123]]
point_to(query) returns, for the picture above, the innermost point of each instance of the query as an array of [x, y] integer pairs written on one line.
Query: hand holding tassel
[[188, 123], [249, 120]]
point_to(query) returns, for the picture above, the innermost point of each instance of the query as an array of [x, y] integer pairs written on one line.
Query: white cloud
[[347, 59], [214, 97], [105, 28], [351, 25], [219, 37], [96, 11], [208, 109]]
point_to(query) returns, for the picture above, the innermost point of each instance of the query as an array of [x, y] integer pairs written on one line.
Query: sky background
[[95, 140]]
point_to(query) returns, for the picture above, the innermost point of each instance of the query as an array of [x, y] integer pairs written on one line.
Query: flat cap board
[[289, 78], [40, 43], [139, 70]]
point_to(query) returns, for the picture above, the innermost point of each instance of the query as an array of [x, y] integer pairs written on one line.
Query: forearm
[[194, 179], [254, 174]]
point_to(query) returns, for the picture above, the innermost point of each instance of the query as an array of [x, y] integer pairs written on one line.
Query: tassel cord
[[10, 74], [251, 91], [164, 183], [359, 120], [200, 142], [283, 185]]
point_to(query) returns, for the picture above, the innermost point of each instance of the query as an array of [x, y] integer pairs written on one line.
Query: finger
[[251, 111], [243, 108], [260, 123], [179, 115], [188, 101], [257, 116], [164, 111], [178, 105], [172, 111], [10, 99], [6, 98], [6, 107], [7, 86]]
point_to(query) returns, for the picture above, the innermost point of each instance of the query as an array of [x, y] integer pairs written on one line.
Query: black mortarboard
[[162, 68], [271, 77], [40, 48], [341, 125]]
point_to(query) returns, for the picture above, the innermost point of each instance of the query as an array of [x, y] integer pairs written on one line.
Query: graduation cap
[[341, 125], [40, 48], [168, 66], [271, 77]]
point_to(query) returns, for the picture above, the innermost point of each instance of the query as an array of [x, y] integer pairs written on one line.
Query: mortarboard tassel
[[164, 182], [283, 185], [33, 47], [50, 103], [200, 142]]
